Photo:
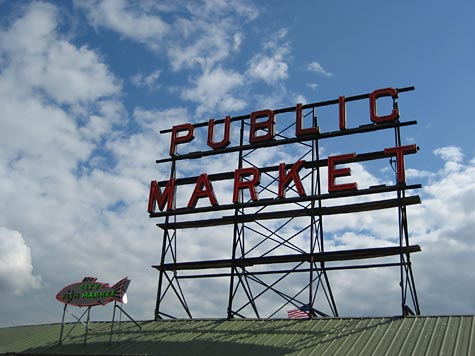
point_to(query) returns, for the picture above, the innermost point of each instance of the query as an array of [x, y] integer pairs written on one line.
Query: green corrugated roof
[[421, 335]]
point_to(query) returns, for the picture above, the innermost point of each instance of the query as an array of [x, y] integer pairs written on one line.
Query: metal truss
[[276, 244]]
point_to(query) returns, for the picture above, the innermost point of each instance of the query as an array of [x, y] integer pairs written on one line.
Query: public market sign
[[262, 134]]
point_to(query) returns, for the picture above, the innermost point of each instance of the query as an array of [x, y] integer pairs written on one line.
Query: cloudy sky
[[86, 86]]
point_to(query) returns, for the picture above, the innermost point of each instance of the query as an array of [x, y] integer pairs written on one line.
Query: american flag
[[299, 313]]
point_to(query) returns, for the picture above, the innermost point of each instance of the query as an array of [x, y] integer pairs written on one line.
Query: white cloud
[[30, 33], [45, 64], [444, 225], [214, 91], [16, 269], [108, 112], [208, 33], [129, 21], [416, 173], [269, 69], [237, 41], [67, 73], [36, 78], [210, 8], [192, 35], [452, 156], [300, 99], [199, 33], [317, 68], [199, 42], [271, 65], [147, 81], [62, 195], [157, 120]]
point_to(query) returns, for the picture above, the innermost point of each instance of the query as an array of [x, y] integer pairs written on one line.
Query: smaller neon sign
[[89, 292]]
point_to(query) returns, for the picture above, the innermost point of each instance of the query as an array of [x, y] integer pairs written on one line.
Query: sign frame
[[257, 130]]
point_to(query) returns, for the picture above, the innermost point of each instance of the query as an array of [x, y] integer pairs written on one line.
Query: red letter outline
[[292, 175], [342, 112], [400, 151], [157, 197], [299, 131], [175, 140], [239, 184], [340, 172], [225, 141], [199, 192], [268, 124], [394, 115]]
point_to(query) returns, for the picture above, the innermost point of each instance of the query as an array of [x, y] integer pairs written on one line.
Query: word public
[[261, 129]]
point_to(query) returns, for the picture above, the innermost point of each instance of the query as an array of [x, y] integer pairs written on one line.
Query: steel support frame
[[407, 282], [243, 294], [242, 278], [168, 282]]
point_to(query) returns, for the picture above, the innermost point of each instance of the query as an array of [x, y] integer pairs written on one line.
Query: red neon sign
[[261, 133], [89, 292]]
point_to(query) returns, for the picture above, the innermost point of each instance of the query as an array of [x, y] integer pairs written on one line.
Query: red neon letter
[[199, 192], [299, 131], [156, 196], [400, 151], [394, 115], [342, 111], [292, 175], [264, 125], [341, 172], [225, 141], [175, 140], [240, 184]]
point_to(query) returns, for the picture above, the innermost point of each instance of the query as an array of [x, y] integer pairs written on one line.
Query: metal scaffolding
[[275, 239]]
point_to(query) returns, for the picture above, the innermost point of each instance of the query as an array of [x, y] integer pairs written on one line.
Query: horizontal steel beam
[[329, 256], [286, 141], [292, 270], [215, 177], [332, 210]]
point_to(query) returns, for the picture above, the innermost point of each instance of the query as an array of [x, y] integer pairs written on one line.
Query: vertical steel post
[[320, 237], [112, 323], [166, 239], [87, 325], [236, 234], [406, 276], [62, 325]]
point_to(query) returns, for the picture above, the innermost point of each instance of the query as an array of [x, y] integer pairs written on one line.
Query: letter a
[[203, 188]]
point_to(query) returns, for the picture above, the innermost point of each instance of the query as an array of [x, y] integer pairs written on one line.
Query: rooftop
[[415, 335]]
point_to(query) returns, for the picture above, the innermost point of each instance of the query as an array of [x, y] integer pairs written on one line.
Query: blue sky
[[86, 86]]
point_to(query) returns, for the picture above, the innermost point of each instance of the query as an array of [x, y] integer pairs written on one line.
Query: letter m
[[156, 196]]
